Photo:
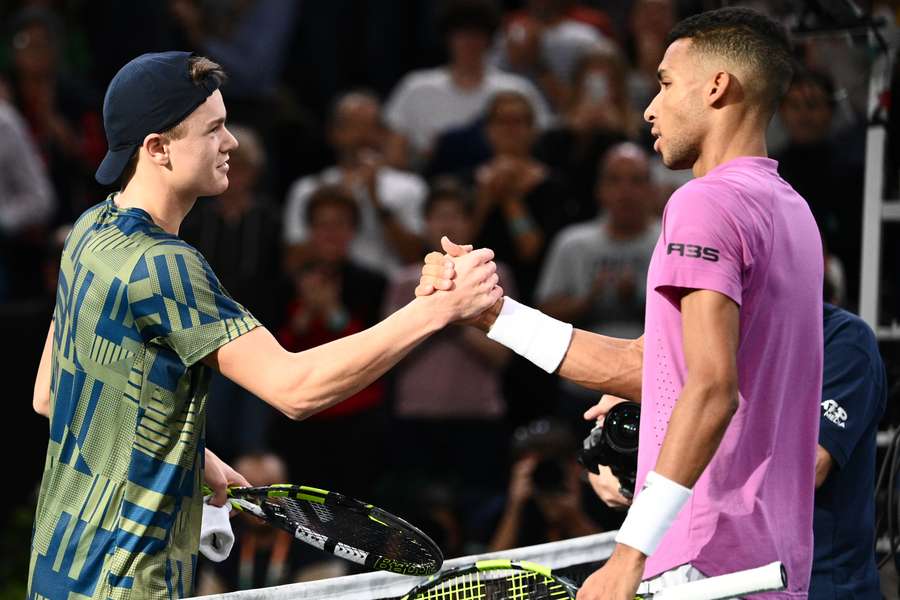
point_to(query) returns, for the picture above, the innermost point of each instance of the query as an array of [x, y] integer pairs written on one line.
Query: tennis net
[[575, 559]]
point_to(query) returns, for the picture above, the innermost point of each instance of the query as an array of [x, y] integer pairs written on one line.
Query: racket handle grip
[[761, 579]]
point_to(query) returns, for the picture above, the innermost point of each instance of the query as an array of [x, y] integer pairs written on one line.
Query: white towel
[[216, 536]]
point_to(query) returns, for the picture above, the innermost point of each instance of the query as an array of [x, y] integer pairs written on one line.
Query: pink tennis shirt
[[741, 231]]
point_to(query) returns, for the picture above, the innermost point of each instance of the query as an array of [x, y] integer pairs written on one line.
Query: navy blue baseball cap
[[150, 94]]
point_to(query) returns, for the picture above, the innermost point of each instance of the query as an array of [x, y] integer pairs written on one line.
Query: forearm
[[566, 308], [41, 397], [323, 376], [507, 534], [607, 364], [527, 238], [698, 423], [495, 354]]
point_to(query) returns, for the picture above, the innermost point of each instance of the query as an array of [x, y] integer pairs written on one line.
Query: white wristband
[[530, 333], [655, 508]]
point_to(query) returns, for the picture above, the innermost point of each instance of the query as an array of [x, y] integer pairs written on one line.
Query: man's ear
[[718, 87], [157, 148]]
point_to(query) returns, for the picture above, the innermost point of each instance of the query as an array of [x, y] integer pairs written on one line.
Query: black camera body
[[615, 445]]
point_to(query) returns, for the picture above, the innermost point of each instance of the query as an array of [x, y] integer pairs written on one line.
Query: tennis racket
[[769, 578], [342, 526], [495, 580]]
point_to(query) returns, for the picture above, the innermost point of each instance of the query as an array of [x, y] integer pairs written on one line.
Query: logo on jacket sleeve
[[832, 411], [693, 251]]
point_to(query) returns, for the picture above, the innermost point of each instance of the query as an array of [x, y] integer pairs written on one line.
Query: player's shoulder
[[843, 324], [173, 247], [704, 192]]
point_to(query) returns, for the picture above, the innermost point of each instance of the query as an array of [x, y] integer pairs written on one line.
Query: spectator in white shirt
[[390, 201], [428, 102]]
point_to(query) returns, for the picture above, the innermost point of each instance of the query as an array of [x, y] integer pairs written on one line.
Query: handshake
[[461, 284]]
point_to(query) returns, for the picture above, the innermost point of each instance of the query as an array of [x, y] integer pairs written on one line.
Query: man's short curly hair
[[748, 38]]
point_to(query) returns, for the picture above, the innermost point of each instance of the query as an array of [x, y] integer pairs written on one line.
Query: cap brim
[[113, 164]]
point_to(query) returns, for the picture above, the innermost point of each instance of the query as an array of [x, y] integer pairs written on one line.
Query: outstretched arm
[[598, 362], [41, 398], [300, 384]]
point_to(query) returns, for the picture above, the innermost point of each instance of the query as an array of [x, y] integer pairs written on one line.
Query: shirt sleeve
[[395, 109], [294, 218], [177, 302], [408, 202], [702, 245], [26, 195], [852, 397]]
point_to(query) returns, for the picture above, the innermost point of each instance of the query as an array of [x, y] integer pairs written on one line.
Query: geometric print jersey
[[120, 503]]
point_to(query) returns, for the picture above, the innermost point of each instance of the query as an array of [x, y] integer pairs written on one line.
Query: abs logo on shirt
[[693, 251], [834, 413]]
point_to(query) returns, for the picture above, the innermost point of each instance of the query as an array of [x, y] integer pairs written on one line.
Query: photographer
[[545, 498]]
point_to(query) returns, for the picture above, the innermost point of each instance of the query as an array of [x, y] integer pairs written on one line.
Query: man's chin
[[676, 163]]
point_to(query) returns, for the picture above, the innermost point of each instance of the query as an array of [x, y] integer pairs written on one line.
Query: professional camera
[[615, 445]]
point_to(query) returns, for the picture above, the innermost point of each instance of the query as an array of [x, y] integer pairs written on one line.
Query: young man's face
[[677, 114], [199, 159]]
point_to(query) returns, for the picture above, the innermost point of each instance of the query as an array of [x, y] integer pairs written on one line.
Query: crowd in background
[[367, 131]]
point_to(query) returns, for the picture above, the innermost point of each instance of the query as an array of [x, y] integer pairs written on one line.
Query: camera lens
[[622, 426]]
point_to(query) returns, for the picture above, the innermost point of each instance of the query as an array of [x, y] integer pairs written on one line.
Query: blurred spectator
[[61, 111], [26, 205], [426, 103], [239, 231], [545, 41], [648, 25], [598, 116], [547, 496], [825, 167], [521, 203], [595, 274], [262, 556], [334, 297], [248, 38], [389, 201], [452, 420]]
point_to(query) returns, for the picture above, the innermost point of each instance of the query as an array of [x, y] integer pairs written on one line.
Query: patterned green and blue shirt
[[120, 504]]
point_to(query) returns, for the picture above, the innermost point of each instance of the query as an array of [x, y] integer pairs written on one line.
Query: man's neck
[[164, 206], [725, 143], [467, 76]]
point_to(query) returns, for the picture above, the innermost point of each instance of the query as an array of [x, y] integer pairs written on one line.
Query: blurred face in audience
[[624, 189], [331, 232], [34, 51], [357, 127], [447, 216], [242, 175], [510, 127], [468, 47], [806, 112], [652, 19]]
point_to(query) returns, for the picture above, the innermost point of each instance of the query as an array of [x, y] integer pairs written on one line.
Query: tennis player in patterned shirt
[[140, 319]]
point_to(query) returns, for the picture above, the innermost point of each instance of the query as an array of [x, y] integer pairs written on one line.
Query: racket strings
[[498, 585], [354, 528]]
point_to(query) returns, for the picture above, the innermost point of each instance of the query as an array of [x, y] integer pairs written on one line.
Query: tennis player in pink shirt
[[729, 369]]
